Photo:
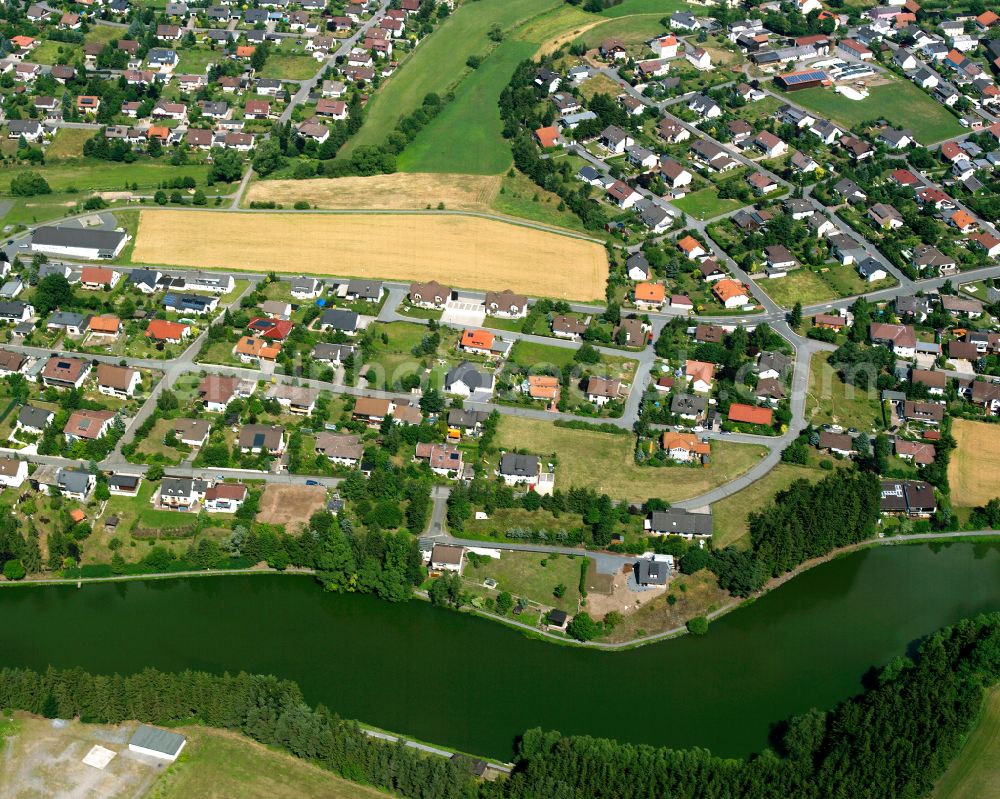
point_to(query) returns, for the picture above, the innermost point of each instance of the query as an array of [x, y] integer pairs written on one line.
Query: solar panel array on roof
[[802, 77]]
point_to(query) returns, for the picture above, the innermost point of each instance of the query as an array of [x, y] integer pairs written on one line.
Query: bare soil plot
[[400, 190], [290, 505], [461, 251], [45, 758], [974, 469]]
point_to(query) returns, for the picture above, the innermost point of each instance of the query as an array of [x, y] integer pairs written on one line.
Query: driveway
[[463, 313]]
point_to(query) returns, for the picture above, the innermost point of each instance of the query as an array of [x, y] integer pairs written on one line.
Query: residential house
[[117, 381], [443, 459], [84, 425], [731, 293], [169, 332], [65, 372], [518, 469], [468, 380], [506, 304], [262, 438], [342, 450], [899, 338], [224, 497], [429, 295], [602, 390], [685, 447]]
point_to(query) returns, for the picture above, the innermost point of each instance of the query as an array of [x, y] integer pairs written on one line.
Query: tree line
[[804, 521], [891, 742]]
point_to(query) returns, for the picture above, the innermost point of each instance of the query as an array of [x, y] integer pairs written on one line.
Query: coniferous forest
[[891, 742]]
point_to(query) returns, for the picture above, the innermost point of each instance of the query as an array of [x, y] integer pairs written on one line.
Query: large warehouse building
[[78, 242]]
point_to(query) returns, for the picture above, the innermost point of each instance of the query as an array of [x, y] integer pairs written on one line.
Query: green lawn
[[68, 143], [846, 281], [530, 354], [705, 203], [605, 462], [519, 196], [29, 210], [52, 52], [975, 773], [393, 359], [899, 102], [86, 175], [218, 763], [196, 60], [632, 29], [831, 401], [524, 575], [289, 67], [661, 7], [439, 62], [729, 516], [801, 285]]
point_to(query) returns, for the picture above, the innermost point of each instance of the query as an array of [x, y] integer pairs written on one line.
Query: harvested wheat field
[[974, 469], [399, 190], [290, 505], [460, 251]]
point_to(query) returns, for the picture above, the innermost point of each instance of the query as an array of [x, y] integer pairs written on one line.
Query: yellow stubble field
[[461, 251]]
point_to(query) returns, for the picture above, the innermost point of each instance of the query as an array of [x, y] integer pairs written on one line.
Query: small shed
[[155, 742]]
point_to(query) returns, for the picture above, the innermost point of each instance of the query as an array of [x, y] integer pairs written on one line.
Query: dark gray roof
[[73, 481], [681, 522], [77, 237], [67, 319], [688, 404], [146, 277], [652, 572], [515, 465], [470, 375], [169, 743], [339, 319], [366, 289], [869, 266], [331, 352], [457, 417], [37, 418], [176, 487]]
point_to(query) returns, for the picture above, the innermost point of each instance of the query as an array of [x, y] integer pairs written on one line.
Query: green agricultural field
[[87, 175], [439, 63], [466, 136], [605, 462], [831, 401], [975, 773], [899, 102]]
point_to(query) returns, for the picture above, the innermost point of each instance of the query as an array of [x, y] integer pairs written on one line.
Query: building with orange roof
[[483, 342], [107, 325], [88, 103], [731, 293], [77, 515], [245, 50], [692, 247], [23, 42], [171, 332], [158, 132], [987, 20], [544, 387], [750, 414], [256, 350], [548, 137], [700, 375], [963, 221], [684, 447], [650, 295], [98, 277]]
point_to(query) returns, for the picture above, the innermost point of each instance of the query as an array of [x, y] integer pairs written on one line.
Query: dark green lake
[[448, 678]]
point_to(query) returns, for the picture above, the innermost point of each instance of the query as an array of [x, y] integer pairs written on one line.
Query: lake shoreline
[[547, 636]]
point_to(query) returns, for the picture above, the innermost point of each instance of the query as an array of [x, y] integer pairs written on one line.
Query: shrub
[[698, 625]]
